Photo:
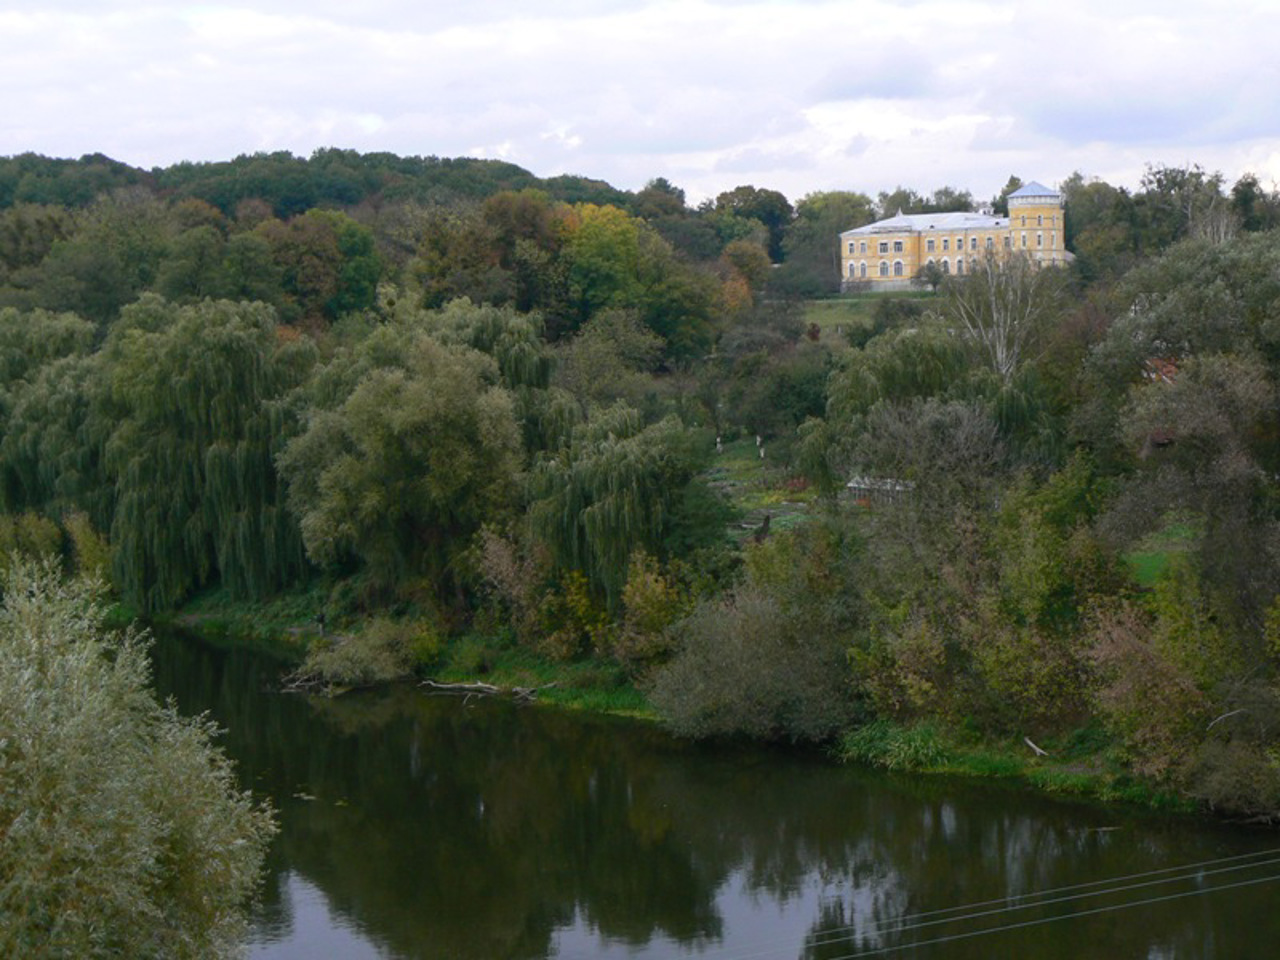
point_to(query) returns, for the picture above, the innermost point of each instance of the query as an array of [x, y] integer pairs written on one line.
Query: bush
[[652, 603], [121, 830], [747, 666], [29, 536], [381, 651]]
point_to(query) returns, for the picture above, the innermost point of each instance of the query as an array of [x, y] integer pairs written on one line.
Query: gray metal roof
[[922, 222], [1034, 189]]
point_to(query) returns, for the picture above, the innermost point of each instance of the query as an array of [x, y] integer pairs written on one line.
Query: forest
[[454, 413]]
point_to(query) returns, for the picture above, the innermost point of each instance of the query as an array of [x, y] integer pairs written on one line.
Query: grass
[[282, 626], [1151, 558], [842, 313], [1080, 765], [758, 487], [595, 685]]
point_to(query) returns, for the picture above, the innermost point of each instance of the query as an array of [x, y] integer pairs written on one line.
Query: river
[[433, 827]]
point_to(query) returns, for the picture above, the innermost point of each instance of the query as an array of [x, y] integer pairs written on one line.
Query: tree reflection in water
[[433, 828]]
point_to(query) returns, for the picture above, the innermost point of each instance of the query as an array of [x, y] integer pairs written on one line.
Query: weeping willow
[[611, 489], [197, 420]]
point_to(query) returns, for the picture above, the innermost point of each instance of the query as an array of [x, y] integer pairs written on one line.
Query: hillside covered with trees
[[459, 410]]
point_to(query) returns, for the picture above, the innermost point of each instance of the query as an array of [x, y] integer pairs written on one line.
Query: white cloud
[[796, 96]]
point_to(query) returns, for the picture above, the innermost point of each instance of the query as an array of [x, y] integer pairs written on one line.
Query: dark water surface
[[426, 827]]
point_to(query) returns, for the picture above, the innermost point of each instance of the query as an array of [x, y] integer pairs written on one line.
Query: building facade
[[889, 254]]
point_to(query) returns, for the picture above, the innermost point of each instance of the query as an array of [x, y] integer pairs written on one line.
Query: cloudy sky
[[792, 95]]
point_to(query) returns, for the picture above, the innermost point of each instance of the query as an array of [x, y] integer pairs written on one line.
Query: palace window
[[991, 242], [1024, 239], [884, 268], [1039, 239], [946, 265], [897, 246], [884, 246], [946, 243], [864, 247], [1008, 243], [928, 245], [862, 269], [973, 243], [851, 247], [1040, 220], [897, 268], [959, 265]]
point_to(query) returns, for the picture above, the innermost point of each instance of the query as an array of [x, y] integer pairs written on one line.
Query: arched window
[[897, 268], [853, 269], [946, 265], [884, 268], [1040, 220], [959, 265], [862, 269], [973, 243]]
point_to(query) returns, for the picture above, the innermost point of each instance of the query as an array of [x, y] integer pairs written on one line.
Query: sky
[[788, 95]]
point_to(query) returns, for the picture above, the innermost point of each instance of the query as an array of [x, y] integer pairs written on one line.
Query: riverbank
[[1083, 765]]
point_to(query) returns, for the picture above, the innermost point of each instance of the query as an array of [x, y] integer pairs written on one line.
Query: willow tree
[[37, 349], [194, 395], [404, 467], [613, 487]]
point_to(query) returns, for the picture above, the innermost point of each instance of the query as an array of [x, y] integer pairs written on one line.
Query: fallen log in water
[[479, 689]]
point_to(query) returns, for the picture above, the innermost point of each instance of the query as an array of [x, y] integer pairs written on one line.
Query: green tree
[[614, 487], [768, 207], [418, 449], [812, 245], [122, 830], [195, 418]]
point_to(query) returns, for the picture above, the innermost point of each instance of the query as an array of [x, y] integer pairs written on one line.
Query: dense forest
[[461, 409]]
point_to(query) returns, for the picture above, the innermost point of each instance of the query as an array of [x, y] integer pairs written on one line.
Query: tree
[[1002, 307], [122, 831], [769, 207], [812, 246], [614, 487], [419, 449], [193, 406], [1000, 202]]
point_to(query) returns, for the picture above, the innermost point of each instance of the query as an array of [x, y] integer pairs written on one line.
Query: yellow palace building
[[888, 254]]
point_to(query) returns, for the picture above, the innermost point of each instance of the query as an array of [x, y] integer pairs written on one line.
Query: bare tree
[[1002, 307]]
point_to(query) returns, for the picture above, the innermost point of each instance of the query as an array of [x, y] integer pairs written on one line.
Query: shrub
[[748, 666], [382, 650], [90, 550], [652, 603], [121, 830], [29, 536]]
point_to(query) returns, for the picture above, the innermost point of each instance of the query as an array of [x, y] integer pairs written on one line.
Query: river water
[[430, 827]]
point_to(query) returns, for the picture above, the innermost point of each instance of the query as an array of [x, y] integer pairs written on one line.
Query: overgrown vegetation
[[122, 831], [426, 416]]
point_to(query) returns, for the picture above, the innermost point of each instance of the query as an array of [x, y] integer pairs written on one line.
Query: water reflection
[[429, 828]]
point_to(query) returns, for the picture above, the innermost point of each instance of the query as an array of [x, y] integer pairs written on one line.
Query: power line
[[1108, 891], [880, 951], [1053, 895]]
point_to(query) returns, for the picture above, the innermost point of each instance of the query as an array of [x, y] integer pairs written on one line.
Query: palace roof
[[923, 222]]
